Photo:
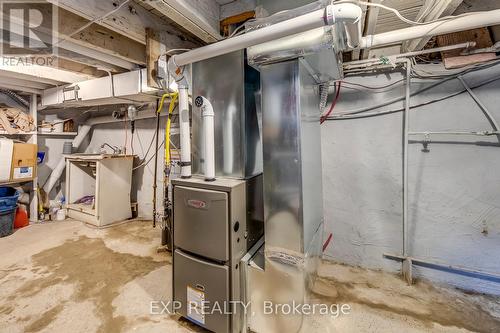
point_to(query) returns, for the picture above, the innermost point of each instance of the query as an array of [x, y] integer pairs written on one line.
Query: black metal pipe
[[156, 163]]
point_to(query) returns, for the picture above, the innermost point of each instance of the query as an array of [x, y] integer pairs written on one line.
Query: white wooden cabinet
[[106, 177]]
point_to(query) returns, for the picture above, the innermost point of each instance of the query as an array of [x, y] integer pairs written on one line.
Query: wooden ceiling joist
[[100, 38], [131, 20]]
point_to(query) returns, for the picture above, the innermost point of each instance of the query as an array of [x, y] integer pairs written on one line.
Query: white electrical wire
[[235, 32], [172, 50], [146, 163], [373, 87], [399, 15]]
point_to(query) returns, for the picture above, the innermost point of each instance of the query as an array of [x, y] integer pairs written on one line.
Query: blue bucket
[[7, 222], [8, 198]]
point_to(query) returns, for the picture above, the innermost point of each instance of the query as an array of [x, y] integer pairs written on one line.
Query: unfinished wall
[[143, 178], [454, 191], [114, 134]]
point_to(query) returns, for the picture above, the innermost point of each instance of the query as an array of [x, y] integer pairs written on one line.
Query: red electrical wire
[[325, 116], [328, 240]]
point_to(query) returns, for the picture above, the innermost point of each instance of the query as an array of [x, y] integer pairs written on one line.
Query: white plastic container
[[6, 150], [58, 126], [61, 214]]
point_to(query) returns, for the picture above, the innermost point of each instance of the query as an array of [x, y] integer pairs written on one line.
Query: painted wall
[[114, 134], [143, 178], [454, 191]]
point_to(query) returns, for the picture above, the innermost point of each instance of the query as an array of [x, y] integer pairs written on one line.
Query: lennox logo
[[28, 32], [198, 204]]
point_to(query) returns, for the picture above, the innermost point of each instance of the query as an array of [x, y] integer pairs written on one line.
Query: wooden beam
[[199, 17], [65, 44], [22, 88], [153, 49], [442, 8], [238, 19], [100, 38], [68, 61], [44, 74], [235, 7], [454, 59], [87, 61], [131, 20], [73, 66]]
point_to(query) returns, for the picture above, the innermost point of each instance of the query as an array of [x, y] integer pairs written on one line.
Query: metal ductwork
[[113, 89]]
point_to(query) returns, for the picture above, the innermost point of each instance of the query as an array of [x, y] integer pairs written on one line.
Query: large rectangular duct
[[129, 87], [293, 204], [232, 88]]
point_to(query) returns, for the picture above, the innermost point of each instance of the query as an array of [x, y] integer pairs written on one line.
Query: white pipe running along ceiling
[[460, 23]]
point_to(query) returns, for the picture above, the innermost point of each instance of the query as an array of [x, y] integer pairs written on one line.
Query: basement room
[[249, 166]]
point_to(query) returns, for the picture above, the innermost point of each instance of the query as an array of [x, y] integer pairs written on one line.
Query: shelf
[[17, 182], [87, 209], [4, 133], [58, 134]]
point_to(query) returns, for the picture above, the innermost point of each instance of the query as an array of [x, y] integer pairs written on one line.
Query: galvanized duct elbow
[[349, 14]]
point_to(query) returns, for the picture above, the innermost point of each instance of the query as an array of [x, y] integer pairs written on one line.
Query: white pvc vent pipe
[[207, 114], [83, 131], [460, 23], [184, 132]]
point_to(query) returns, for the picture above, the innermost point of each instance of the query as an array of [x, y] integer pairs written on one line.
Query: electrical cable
[[142, 150], [371, 87], [235, 32], [399, 15], [166, 53], [335, 100], [150, 144], [132, 130], [151, 158], [431, 86], [440, 74], [346, 116], [126, 132], [158, 110]]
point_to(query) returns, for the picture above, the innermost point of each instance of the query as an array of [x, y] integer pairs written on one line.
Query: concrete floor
[[68, 277]]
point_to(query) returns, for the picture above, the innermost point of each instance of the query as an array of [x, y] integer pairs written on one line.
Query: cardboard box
[[23, 162]]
